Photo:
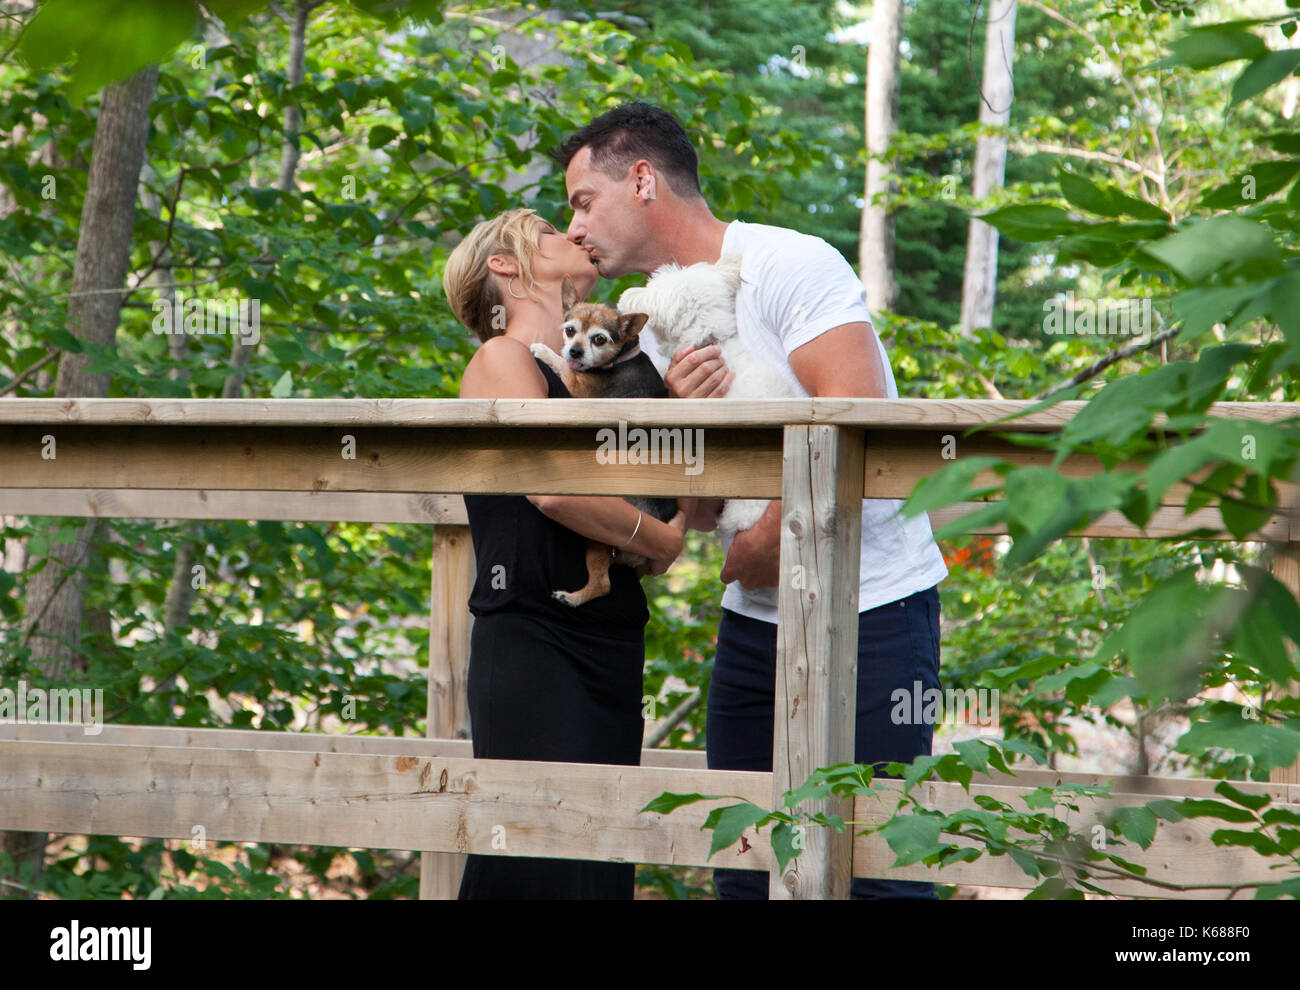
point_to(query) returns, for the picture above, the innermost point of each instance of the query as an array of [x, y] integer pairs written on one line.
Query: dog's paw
[[541, 351], [563, 596]]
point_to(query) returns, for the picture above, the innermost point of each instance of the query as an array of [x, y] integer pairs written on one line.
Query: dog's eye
[[569, 330], [599, 340]]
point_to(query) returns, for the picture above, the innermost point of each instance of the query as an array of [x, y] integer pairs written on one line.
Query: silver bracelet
[[638, 528]]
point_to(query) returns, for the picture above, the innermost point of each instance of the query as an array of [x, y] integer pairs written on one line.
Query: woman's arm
[[504, 368]]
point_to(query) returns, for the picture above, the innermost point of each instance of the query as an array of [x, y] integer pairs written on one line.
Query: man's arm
[[843, 361]]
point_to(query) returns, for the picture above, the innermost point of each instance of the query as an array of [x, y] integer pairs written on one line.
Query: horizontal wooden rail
[[950, 414], [384, 507], [164, 736], [442, 803], [729, 462]]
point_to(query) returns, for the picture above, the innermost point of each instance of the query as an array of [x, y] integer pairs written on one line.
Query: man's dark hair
[[631, 132]]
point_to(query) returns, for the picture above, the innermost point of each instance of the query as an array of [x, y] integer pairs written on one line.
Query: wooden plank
[[897, 460], [448, 713], [1285, 566], [1182, 852], [953, 414], [1166, 521], [578, 811], [553, 810], [817, 643], [560, 461], [163, 736], [172, 503], [405, 507]]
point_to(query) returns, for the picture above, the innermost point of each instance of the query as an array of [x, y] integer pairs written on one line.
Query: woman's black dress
[[548, 681]]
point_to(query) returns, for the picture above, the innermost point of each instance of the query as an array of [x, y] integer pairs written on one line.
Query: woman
[[546, 681]]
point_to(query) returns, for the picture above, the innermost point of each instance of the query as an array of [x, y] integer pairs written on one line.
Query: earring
[[512, 291]]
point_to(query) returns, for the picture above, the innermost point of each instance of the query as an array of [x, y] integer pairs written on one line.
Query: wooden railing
[[378, 461]]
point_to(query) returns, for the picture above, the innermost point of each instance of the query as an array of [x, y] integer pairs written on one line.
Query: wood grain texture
[[903, 413], [1181, 854], [163, 736], [1285, 566], [408, 507], [311, 459], [450, 621], [440, 804], [564, 810], [173, 503], [817, 643]]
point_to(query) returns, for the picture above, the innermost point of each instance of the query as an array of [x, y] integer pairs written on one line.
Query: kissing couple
[[552, 682]]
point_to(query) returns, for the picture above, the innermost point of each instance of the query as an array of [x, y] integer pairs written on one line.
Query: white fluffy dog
[[695, 306]]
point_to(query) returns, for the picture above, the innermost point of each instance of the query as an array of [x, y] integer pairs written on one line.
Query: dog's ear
[[568, 294], [630, 324]]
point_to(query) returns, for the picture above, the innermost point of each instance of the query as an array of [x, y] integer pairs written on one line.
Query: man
[[633, 184]]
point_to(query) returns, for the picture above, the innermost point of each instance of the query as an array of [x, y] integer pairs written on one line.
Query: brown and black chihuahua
[[602, 359]]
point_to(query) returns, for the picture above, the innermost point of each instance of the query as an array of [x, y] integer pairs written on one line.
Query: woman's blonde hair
[[471, 291]]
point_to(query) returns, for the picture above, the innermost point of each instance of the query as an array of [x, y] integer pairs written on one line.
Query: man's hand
[[755, 555], [698, 373]]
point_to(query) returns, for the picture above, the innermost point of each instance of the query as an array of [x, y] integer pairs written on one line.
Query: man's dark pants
[[898, 644]]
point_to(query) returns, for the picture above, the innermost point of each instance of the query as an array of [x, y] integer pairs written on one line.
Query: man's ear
[[630, 324], [568, 294]]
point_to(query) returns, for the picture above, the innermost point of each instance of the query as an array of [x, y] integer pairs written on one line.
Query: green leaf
[[1215, 809], [668, 802], [64, 340], [975, 752], [1205, 247], [783, 844], [1054, 888], [1138, 824], [1264, 73], [1024, 860], [1164, 637], [1208, 48], [948, 485], [1106, 201], [730, 823], [1261, 181], [1269, 746], [1033, 222], [284, 387], [912, 837], [1252, 801], [109, 39], [1258, 841], [380, 135]]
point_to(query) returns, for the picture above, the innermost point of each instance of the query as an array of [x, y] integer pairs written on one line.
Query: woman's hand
[[658, 565]]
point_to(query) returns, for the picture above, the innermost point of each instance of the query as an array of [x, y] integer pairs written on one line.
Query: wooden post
[[448, 716], [1286, 568], [817, 643]]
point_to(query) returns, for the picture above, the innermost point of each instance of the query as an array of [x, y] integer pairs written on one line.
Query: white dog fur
[[694, 306]]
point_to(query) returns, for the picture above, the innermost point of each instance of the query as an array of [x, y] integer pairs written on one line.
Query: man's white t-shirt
[[795, 287]]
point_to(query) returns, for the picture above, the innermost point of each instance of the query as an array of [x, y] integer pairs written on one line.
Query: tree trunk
[[876, 243], [979, 283], [52, 626], [289, 154]]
